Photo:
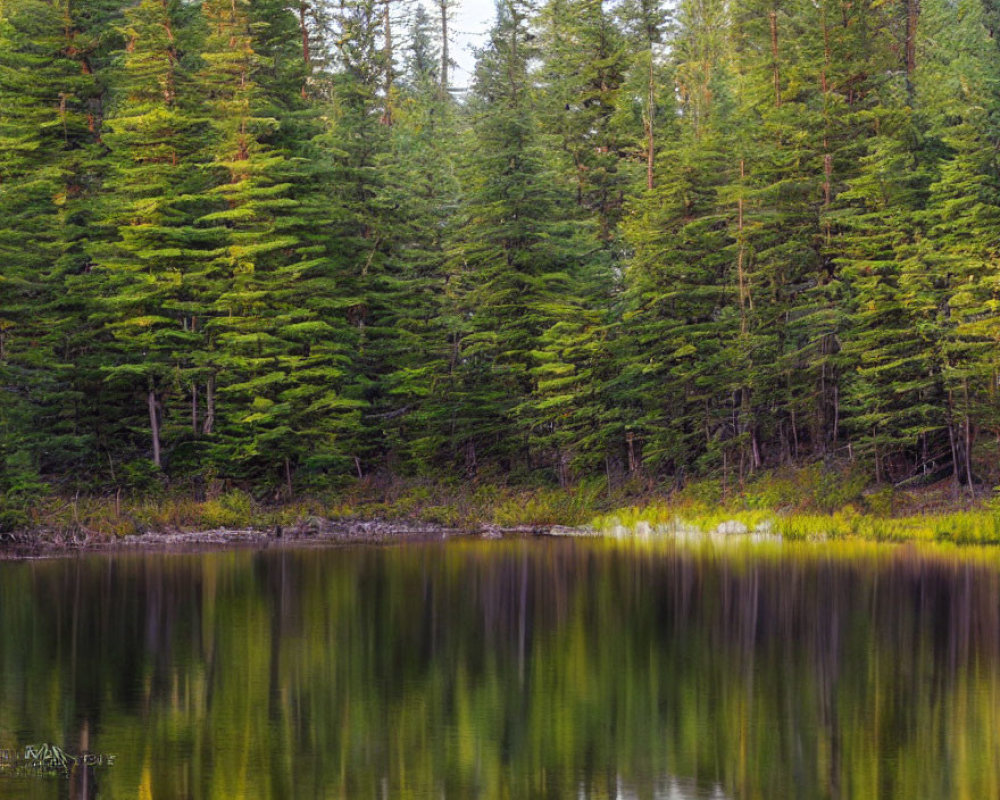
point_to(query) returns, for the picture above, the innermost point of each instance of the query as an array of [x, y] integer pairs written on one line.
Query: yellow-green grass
[[961, 527]]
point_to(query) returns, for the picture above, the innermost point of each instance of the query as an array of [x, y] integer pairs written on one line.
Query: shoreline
[[31, 545], [968, 530], [803, 505]]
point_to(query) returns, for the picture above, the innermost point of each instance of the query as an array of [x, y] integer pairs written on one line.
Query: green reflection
[[509, 669]]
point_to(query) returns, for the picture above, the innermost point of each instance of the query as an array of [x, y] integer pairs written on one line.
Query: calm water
[[507, 669]]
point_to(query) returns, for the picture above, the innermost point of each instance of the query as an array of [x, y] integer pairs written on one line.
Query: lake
[[518, 668]]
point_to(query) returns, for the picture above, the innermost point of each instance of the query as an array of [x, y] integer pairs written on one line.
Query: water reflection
[[508, 669]]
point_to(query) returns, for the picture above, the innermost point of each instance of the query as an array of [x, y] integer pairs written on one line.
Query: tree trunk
[[954, 457], [209, 422], [725, 476], [795, 430], [387, 54], [825, 87], [773, 16], [154, 423], [306, 54], [744, 294], [443, 6], [968, 442], [836, 413], [650, 113], [968, 456], [563, 469], [194, 389], [169, 88], [912, 16], [878, 463], [471, 467]]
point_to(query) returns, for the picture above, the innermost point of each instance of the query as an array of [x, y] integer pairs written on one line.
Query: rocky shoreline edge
[[46, 544]]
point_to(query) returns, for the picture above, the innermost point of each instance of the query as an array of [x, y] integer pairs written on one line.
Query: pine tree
[[950, 272], [681, 305], [681, 319], [888, 388], [808, 76], [355, 147], [50, 58], [645, 25], [416, 202], [586, 60], [274, 366], [147, 277], [518, 260]]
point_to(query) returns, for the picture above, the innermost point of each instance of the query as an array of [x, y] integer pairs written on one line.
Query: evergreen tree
[[147, 279], [888, 388], [518, 260], [681, 309], [51, 56], [950, 271], [417, 201], [586, 60], [261, 241], [681, 322], [274, 367]]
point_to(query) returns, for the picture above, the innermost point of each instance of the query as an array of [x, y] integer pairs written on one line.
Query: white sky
[[471, 22]]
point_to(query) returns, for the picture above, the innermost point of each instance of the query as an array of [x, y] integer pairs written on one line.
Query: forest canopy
[[272, 242]]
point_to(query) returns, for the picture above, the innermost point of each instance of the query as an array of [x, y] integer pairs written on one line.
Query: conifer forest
[[281, 243]]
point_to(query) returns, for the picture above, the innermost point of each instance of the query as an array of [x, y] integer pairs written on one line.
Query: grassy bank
[[818, 504], [980, 526], [813, 503], [455, 506]]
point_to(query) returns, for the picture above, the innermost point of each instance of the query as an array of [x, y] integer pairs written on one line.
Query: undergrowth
[[812, 503]]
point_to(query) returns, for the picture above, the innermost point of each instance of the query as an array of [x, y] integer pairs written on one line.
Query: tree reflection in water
[[517, 668]]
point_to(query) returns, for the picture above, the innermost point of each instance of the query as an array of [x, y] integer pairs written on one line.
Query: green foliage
[[702, 492], [832, 489], [20, 489], [880, 502], [141, 476], [251, 242], [234, 508], [526, 326]]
